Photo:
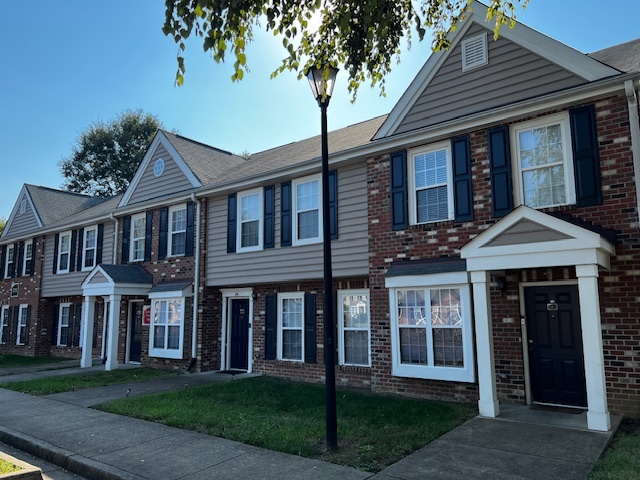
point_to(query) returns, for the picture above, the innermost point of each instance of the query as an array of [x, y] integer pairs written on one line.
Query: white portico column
[[488, 403], [114, 323], [598, 412], [87, 331]]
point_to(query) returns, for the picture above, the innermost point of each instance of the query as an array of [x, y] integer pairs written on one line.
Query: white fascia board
[[557, 258], [16, 207], [185, 292], [236, 292], [160, 138], [143, 206], [97, 270]]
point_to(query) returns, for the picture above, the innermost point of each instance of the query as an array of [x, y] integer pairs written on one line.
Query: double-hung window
[[177, 230], [64, 252], [64, 319], [28, 257], [431, 327], [250, 221], [8, 268], [89, 248], [4, 324], [354, 327], [291, 326], [138, 232], [167, 327], [23, 317], [543, 162], [431, 184], [307, 204]]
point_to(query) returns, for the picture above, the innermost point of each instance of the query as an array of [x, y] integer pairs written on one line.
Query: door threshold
[[558, 408]]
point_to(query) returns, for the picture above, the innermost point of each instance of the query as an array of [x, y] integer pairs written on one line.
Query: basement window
[[474, 52]]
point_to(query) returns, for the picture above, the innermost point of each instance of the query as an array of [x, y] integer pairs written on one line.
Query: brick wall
[[619, 287]]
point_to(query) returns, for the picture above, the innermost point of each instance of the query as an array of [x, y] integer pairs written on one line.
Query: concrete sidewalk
[[523, 444]]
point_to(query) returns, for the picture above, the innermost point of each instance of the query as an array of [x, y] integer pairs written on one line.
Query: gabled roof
[[555, 52], [89, 215], [303, 151], [54, 205], [624, 57]]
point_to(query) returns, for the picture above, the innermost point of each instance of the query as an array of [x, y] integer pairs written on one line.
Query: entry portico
[[528, 239], [111, 282]]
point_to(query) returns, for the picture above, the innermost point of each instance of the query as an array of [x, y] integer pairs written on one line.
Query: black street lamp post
[[322, 82]]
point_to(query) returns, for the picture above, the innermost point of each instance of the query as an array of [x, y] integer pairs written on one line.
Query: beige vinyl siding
[[527, 232], [282, 264], [512, 74], [66, 284], [22, 222], [171, 181]]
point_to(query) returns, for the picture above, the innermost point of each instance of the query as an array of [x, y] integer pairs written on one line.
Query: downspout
[[196, 286], [634, 127]]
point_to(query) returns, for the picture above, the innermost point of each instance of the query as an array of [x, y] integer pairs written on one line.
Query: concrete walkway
[[524, 444]]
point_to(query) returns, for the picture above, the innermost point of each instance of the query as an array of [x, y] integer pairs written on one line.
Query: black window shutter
[[19, 258], [99, 244], [333, 204], [148, 234], [586, 157], [462, 181], [28, 327], [12, 271], [232, 214], [74, 326], [399, 211], [80, 263], [286, 220], [3, 258], [72, 251], [310, 328], [269, 216], [500, 166], [54, 325], [188, 249], [56, 245], [162, 234], [126, 234], [270, 326]]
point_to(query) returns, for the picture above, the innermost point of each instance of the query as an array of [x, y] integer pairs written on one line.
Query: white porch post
[[488, 404], [598, 413], [105, 320], [114, 323], [88, 309]]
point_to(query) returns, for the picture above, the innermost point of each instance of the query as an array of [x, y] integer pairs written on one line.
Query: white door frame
[[225, 352]]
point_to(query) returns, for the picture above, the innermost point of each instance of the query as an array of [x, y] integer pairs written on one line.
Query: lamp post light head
[[321, 86]]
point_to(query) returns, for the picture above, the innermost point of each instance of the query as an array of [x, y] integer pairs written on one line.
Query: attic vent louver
[[474, 52]]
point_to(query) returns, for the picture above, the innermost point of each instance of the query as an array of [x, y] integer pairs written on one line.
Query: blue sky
[[69, 63]]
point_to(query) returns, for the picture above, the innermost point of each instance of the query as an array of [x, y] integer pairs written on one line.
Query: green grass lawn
[[621, 461], [7, 467], [373, 431], [66, 383], [21, 361]]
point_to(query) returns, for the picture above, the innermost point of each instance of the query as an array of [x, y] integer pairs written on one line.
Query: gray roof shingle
[[624, 57], [128, 274], [54, 205], [426, 267]]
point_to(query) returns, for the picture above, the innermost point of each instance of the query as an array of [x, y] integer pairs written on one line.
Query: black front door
[[556, 359], [135, 332], [239, 334]]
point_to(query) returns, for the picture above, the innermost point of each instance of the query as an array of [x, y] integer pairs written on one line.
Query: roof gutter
[[634, 127]]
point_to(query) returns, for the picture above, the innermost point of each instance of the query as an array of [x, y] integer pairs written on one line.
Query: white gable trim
[[160, 138], [110, 287], [542, 45], [24, 193], [580, 248]]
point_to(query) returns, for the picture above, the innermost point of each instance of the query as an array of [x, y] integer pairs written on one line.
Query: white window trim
[[411, 168], [133, 239], [26, 259], [23, 308], [170, 231], [60, 307], [84, 248], [342, 329], [260, 246], [5, 308], [165, 352], [569, 177], [294, 208], [282, 296], [431, 372], [7, 262], [482, 38], [61, 252]]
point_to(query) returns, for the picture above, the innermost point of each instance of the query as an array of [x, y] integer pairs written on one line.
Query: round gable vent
[[158, 168]]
